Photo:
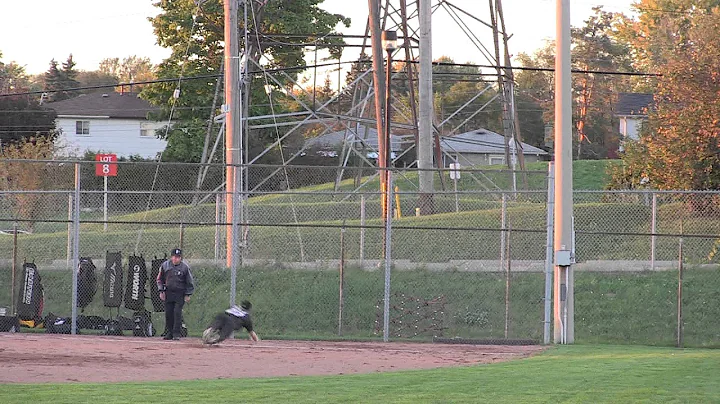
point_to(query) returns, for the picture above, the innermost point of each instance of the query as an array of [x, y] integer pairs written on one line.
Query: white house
[[108, 122], [632, 112]]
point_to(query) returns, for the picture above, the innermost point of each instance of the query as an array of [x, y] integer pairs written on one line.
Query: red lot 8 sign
[[106, 166]]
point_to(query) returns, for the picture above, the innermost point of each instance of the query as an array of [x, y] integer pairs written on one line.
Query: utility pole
[[425, 136], [233, 134], [379, 83], [564, 313]]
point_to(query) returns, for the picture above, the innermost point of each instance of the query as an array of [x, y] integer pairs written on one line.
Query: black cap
[[246, 305], [176, 252]]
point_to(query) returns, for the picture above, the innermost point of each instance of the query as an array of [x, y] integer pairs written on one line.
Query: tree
[[177, 29], [30, 176], [128, 70], [21, 117], [59, 79], [95, 78], [594, 49], [680, 149], [661, 25]]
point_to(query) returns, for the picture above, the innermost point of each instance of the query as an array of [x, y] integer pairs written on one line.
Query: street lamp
[[389, 43]]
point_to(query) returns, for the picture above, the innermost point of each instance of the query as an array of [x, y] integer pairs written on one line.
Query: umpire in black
[[176, 285]]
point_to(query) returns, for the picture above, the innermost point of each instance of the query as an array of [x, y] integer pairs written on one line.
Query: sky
[[33, 33]]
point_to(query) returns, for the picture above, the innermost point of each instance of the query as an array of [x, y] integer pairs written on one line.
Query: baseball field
[[61, 369]]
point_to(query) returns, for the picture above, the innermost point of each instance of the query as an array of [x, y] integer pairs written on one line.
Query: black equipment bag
[[137, 278], [113, 327], [158, 304], [113, 282], [91, 322], [143, 326], [58, 325], [31, 297], [87, 282]]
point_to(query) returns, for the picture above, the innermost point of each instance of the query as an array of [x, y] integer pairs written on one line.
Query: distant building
[[107, 122], [475, 148], [632, 112]]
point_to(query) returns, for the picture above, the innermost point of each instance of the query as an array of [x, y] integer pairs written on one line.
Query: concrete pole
[[233, 133], [564, 279], [425, 135]]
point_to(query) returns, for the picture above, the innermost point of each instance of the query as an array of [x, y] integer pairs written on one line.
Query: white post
[[564, 280], [549, 254], [388, 261], [425, 124], [76, 249], [105, 204], [457, 202], [653, 230]]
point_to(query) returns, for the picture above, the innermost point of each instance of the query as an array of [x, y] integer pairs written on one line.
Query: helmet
[[246, 305]]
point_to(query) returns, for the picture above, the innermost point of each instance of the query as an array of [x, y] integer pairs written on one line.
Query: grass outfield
[[572, 374], [615, 308]]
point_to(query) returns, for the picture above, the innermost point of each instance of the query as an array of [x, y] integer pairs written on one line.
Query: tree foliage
[[595, 48], [60, 78], [197, 39], [680, 149], [28, 176], [21, 117], [128, 70]]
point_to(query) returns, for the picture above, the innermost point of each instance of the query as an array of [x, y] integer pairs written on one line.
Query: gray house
[[479, 147], [482, 147]]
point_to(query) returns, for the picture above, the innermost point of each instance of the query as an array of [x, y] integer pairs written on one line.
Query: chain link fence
[[472, 267]]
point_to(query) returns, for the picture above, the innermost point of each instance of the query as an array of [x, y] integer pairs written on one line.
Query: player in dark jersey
[[233, 319]]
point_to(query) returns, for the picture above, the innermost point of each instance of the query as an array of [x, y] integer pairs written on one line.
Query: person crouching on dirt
[[233, 319], [176, 285]]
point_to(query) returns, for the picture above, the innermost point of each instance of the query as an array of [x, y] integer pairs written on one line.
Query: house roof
[[358, 136], [110, 104], [482, 141], [630, 104]]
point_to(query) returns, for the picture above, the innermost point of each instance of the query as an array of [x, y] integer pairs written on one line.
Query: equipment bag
[[158, 304], [143, 326], [31, 298], [113, 282], [91, 322], [113, 327], [137, 278], [87, 282], [58, 325]]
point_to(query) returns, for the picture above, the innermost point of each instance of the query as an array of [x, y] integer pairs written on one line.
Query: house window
[[82, 127], [147, 133], [496, 160]]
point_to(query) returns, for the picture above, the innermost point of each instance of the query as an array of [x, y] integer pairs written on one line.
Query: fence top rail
[[271, 166]]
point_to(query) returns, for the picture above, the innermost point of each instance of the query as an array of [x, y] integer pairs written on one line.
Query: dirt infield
[[28, 358]]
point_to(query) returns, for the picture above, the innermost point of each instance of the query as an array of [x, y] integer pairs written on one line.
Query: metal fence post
[[362, 231], [341, 299], [76, 249], [653, 230], [549, 253], [218, 219], [388, 239], [70, 229], [503, 224]]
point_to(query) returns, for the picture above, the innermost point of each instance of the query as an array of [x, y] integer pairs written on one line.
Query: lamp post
[[389, 43]]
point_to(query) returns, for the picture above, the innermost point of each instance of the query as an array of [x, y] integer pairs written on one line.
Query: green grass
[[572, 374], [618, 308]]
